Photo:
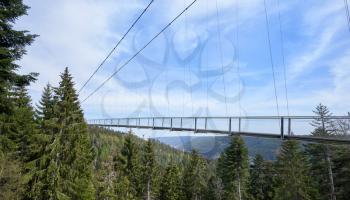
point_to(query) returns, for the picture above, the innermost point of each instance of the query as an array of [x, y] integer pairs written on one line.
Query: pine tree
[[45, 108], [215, 190], [292, 180], [342, 167], [124, 189], [149, 169], [25, 131], [12, 48], [260, 182], [13, 141], [324, 125], [233, 169], [194, 179], [321, 154], [132, 168], [46, 120], [70, 155], [170, 188]]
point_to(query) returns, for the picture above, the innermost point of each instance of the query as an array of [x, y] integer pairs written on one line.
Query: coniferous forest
[[48, 152]]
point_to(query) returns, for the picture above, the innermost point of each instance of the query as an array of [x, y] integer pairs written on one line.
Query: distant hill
[[211, 146]]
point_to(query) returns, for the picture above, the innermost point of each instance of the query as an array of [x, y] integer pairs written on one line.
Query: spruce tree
[[170, 186], [25, 131], [321, 154], [70, 155], [12, 48], [46, 120], [45, 108], [342, 167], [260, 182], [233, 169], [122, 186], [132, 168], [149, 166], [194, 179], [215, 190], [293, 181], [13, 138]]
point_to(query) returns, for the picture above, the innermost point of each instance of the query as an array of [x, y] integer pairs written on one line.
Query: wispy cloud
[[80, 33]]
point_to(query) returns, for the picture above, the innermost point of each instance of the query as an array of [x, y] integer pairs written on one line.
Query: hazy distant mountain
[[211, 147]]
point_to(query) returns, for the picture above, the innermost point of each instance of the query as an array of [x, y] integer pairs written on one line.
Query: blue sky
[[180, 73]]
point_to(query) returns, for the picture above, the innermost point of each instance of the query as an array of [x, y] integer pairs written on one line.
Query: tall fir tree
[[12, 48], [233, 169], [261, 181], [45, 108], [130, 156], [293, 181], [47, 122], [13, 140], [194, 179], [321, 154], [170, 186], [215, 190], [70, 156], [342, 167], [149, 167]]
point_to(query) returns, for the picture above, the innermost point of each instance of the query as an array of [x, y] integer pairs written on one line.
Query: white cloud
[[80, 33]]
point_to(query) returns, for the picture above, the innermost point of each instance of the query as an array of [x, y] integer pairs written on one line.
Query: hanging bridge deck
[[283, 127]]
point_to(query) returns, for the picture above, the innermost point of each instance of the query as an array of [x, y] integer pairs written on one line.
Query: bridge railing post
[[239, 125], [181, 122], [195, 124], [229, 125], [153, 122], [282, 128], [171, 124], [205, 123], [289, 126]]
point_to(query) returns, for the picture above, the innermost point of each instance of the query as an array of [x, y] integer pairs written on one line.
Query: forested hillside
[[212, 146], [48, 151]]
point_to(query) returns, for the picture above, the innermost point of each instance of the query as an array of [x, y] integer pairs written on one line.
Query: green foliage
[[320, 155], [342, 167], [12, 48], [65, 168], [170, 187], [11, 179], [233, 169], [215, 190], [292, 174], [49, 153], [194, 178], [324, 126], [260, 182], [149, 169]]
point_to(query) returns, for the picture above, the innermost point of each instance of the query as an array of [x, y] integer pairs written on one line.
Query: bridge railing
[[267, 126]]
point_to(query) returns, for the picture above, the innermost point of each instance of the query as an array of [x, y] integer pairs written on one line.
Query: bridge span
[[283, 127]]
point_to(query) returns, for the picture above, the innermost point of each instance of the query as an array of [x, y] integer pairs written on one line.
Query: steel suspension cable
[[346, 5], [271, 58], [139, 51], [237, 55], [115, 47], [189, 67], [207, 63], [283, 57], [221, 54]]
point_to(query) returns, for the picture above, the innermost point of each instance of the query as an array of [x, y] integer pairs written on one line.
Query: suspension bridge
[[283, 127]]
